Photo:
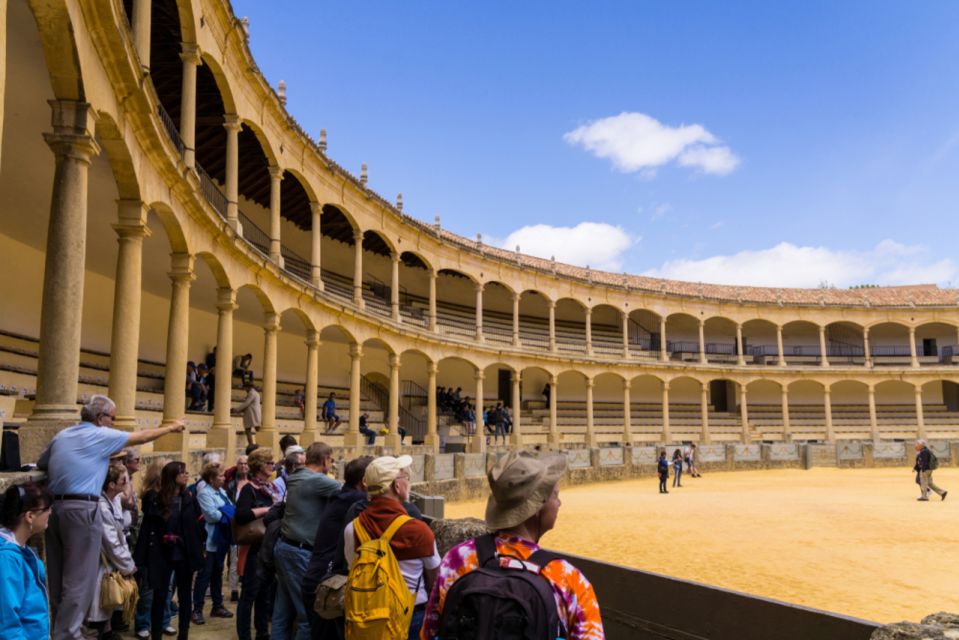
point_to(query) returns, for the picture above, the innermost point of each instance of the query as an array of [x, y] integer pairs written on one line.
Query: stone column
[[395, 286], [781, 354], [479, 312], [276, 177], [231, 123], [432, 439], [358, 269], [873, 420], [787, 428], [393, 439], [3, 62], [590, 427], [516, 299], [316, 235], [222, 434], [516, 435], [740, 355], [553, 439], [663, 354], [268, 435], [352, 436], [433, 326], [702, 342], [58, 365], [865, 347], [744, 411], [125, 336], [552, 326], [191, 60], [913, 359], [141, 31], [478, 441], [704, 412], [177, 346], [627, 414], [589, 331], [666, 434], [310, 435], [827, 401], [920, 418], [823, 354], [625, 319]]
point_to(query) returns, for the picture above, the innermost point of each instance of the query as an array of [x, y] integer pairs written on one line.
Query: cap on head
[[382, 471], [520, 484]]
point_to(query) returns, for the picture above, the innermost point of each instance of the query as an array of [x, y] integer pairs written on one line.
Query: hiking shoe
[[197, 618], [922, 499], [221, 612], [169, 631], [944, 494]]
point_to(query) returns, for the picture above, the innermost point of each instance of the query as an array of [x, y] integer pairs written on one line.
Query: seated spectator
[[205, 378], [218, 512], [366, 431], [194, 388], [113, 545], [329, 535], [299, 399], [242, 368], [523, 505], [329, 414], [24, 614], [388, 483]]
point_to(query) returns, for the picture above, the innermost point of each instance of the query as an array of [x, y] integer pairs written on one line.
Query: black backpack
[[502, 603]]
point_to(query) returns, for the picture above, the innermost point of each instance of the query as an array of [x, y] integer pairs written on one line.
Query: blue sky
[[781, 144]]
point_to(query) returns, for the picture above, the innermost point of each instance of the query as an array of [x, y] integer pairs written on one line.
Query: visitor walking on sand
[[677, 468], [926, 463]]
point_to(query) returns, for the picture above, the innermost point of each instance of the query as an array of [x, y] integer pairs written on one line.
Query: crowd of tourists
[[688, 455], [303, 556]]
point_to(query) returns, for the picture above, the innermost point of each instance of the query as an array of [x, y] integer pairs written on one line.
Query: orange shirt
[[575, 599]]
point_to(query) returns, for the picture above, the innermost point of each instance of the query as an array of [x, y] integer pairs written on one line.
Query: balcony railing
[[212, 192], [255, 235], [171, 130]]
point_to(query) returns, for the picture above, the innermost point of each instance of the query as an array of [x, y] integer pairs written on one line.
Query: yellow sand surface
[[853, 541]]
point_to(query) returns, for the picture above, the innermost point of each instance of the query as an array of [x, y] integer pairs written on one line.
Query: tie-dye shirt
[[575, 599]]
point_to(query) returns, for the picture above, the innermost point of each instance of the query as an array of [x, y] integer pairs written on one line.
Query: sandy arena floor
[[852, 541]]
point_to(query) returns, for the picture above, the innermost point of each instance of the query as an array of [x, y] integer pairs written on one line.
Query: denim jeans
[[211, 575], [370, 435], [678, 475], [291, 563], [145, 601], [416, 622], [255, 598]]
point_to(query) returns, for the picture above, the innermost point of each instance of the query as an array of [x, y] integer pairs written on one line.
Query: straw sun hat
[[520, 484]]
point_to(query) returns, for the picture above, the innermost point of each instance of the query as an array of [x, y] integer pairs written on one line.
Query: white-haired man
[[925, 464], [76, 462]]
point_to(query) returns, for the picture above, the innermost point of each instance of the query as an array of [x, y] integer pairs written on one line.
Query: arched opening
[[414, 290], [844, 343], [608, 407], [759, 342], [570, 326], [291, 371], [685, 409], [571, 406], [850, 409], [801, 343], [644, 334], [414, 378], [456, 304], [807, 412], [896, 409], [534, 320], [940, 406], [889, 344], [337, 252], [497, 313], [936, 342], [456, 404], [377, 273], [766, 409], [720, 340], [646, 400], [682, 337], [607, 330]]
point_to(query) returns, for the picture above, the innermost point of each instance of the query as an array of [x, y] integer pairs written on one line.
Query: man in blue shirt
[[76, 462], [329, 414]]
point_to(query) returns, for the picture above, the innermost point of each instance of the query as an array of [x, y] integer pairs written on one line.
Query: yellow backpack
[[378, 604]]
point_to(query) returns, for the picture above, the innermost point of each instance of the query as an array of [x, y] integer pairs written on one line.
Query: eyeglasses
[[184, 473]]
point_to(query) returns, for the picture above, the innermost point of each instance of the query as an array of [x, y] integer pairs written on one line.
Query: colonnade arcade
[[233, 228]]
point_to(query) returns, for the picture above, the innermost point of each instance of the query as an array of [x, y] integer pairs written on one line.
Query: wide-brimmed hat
[[383, 470], [520, 484]]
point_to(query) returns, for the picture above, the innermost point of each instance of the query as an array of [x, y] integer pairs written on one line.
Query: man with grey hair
[[926, 463], [76, 462]]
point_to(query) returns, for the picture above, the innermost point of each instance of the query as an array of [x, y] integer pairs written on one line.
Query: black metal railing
[[296, 264], [677, 346], [254, 235], [212, 192], [171, 129], [890, 350], [846, 350], [720, 348]]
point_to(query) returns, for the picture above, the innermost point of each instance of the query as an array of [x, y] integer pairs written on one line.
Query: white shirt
[[412, 570]]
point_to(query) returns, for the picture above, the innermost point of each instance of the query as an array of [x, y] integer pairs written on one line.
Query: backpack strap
[[398, 522], [541, 558], [485, 548], [361, 533]]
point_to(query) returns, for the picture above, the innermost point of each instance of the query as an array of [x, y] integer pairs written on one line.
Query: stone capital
[[358, 238], [271, 322], [316, 208], [276, 172], [394, 361], [432, 368], [190, 53], [590, 383], [231, 122], [226, 299], [356, 351], [313, 339], [516, 377], [131, 219], [395, 257], [479, 375]]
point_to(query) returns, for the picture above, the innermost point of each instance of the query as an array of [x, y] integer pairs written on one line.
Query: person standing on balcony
[[251, 411], [76, 464]]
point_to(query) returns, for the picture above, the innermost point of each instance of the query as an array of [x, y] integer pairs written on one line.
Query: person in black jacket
[[254, 501], [923, 471], [170, 543], [662, 467]]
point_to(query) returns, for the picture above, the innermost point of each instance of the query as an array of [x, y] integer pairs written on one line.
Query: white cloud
[[788, 265], [598, 245], [638, 142]]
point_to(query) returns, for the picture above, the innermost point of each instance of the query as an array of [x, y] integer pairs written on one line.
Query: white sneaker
[[169, 631], [143, 633]]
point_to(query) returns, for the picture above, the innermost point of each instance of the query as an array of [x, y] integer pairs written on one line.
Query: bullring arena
[[159, 201]]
